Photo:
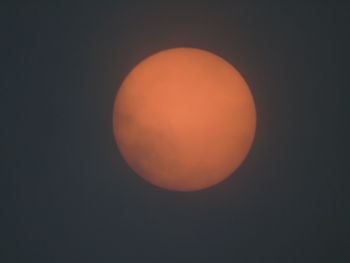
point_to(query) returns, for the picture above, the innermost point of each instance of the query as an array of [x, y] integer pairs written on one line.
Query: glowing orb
[[184, 119]]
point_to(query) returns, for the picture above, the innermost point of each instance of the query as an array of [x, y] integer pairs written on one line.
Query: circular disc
[[184, 119]]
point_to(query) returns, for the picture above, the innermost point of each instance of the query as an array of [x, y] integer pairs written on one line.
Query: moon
[[184, 119]]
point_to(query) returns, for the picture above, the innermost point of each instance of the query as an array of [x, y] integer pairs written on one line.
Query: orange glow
[[184, 119]]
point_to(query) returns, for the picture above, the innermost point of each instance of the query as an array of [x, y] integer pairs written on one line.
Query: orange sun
[[184, 119]]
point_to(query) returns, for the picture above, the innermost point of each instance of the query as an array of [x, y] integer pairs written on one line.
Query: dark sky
[[70, 197]]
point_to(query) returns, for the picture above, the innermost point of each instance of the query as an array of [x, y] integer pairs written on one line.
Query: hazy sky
[[70, 197]]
